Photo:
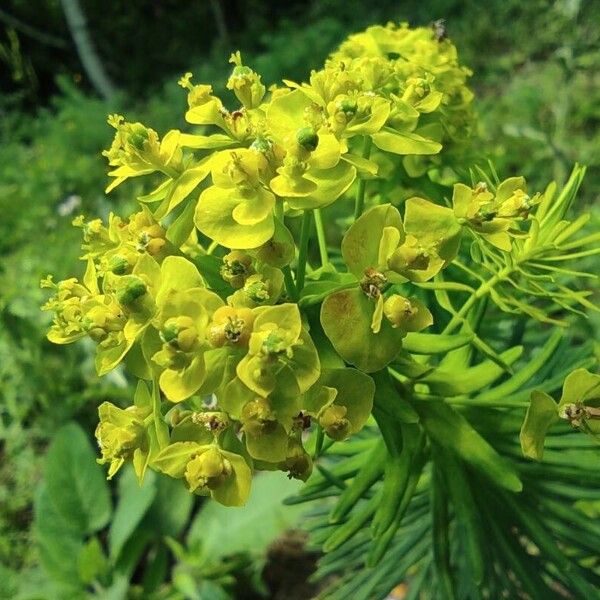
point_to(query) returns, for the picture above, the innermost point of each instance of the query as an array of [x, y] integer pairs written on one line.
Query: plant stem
[[319, 442], [321, 237], [290, 286], [303, 250], [359, 204], [278, 209], [481, 291]]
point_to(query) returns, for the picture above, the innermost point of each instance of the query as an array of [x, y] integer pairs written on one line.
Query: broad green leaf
[[355, 392], [173, 459], [215, 141], [185, 184], [214, 218], [433, 224], [59, 541], [181, 228], [91, 562], [134, 501], [280, 250], [404, 142], [331, 184], [346, 318], [270, 446], [219, 532], [579, 386], [75, 483], [180, 385], [234, 491], [361, 244], [169, 513]]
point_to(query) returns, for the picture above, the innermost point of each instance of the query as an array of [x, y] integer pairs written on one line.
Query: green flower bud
[[333, 420], [119, 265], [307, 138], [207, 470], [134, 289]]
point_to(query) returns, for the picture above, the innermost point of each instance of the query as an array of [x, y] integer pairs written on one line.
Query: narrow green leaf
[[452, 431]]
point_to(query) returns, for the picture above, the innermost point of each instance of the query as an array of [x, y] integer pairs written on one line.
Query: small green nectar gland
[[132, 291], [307, 138], [119, 265]]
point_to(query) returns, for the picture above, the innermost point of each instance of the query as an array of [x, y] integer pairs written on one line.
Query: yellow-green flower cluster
[[206, 296]]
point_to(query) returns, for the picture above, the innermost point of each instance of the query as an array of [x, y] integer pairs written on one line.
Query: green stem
[[466, 401], [320, 438], [321, 237], [290, 286], [278, 209], [303, 250], [359, 204], [483, 290], [212, 247]]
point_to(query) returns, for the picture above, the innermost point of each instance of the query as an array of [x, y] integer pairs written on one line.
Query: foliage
[[87, 542], [210, 294], [529, 124]]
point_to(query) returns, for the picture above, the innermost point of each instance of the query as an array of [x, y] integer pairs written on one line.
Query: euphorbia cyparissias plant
[[241, 342]]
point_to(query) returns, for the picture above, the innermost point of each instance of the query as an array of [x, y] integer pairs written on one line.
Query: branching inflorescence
[[241, 342]]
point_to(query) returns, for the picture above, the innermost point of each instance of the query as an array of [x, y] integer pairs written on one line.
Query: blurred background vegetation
[[536, 75]]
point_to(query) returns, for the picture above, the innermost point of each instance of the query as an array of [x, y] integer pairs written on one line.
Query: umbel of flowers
[[205, 295]]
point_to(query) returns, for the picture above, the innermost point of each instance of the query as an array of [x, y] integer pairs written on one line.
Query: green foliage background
[[537, 80]]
